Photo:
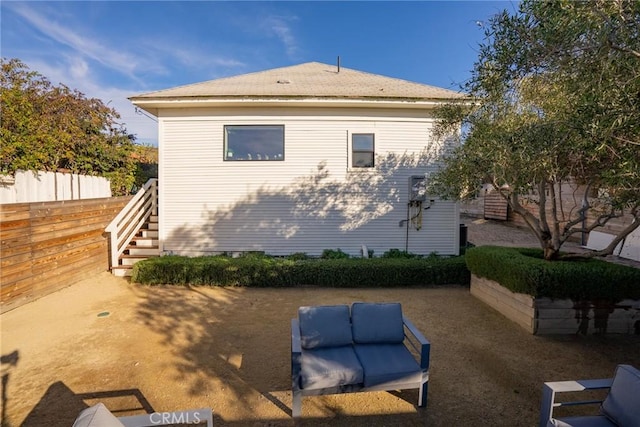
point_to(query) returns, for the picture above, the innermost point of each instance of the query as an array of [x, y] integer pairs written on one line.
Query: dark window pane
[[362, 160], [254, 143], [362, 150]]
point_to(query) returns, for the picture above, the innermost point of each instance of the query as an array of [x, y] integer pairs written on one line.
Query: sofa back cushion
[[377, 323], [324, 326], [622, 405]]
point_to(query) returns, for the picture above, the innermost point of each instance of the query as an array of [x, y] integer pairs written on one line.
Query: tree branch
[[542, 211], [528, 217], [619, 238]]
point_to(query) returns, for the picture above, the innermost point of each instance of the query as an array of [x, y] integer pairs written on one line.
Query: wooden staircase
[[144, 245], [133, 234]]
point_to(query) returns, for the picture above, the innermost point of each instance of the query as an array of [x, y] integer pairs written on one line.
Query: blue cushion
[[330, 367], [387, 364], [377, 323], [588, 421], [622, 405], [324, 326]]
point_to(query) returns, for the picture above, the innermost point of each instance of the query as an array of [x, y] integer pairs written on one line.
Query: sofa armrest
[[550, 389], [296, 345], [423, 346], [191, 416], [296, 354]]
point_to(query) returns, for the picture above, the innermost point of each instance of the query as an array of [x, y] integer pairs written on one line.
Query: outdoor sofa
[[620, 408], [365, 347], [99, 416]]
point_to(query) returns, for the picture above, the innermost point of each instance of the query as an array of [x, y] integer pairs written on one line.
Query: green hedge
[[525, 271], [265, 271]]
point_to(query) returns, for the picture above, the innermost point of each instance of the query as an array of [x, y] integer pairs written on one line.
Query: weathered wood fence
[[29, 187], [47, 246]]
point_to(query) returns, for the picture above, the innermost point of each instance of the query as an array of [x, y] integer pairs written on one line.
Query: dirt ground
[[140, 349]]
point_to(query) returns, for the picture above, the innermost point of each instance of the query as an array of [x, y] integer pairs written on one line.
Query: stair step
[[145, 242], [122, 271], [149, 233], [147, 251], [129, 260], [143, 246]]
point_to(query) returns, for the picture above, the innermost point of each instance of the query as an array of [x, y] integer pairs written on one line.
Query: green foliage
[[251, 270], [397, 253], [525, 271], [334, 254], [554, 93], [298, 256], [146, 160], [265, 271], [54, 128]]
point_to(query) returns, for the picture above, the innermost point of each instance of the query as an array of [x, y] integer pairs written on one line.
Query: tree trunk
[[550, 252]]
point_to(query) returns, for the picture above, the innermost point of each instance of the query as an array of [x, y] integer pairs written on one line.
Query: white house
[[300, 159]]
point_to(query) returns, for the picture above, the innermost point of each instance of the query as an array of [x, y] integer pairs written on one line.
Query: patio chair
[[99, 416], [621, 407], [335, 349]]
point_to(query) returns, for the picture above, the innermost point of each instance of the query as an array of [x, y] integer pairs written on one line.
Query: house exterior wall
[[309, 202]]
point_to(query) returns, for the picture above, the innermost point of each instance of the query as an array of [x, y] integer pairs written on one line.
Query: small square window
[[253, 142], [362, 150]]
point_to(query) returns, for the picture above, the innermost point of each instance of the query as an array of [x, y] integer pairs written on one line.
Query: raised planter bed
[[544, 316]]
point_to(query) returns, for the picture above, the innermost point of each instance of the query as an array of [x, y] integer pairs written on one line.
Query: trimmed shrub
[[397, 253], [264, 271], [334, 254], [525, 271], [249, 270], [298, 256]]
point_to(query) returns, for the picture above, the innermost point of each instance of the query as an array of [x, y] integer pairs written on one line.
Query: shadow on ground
[[485, 370]]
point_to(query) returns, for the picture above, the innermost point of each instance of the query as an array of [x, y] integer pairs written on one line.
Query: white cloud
[[86, 44], [189, 56], [280, 27], [79, 68]]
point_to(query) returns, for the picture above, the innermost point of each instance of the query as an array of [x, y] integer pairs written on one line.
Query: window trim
[[352, 151], [225, 157]]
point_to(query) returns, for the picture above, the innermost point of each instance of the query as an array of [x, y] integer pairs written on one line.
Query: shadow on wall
[[320, 208]]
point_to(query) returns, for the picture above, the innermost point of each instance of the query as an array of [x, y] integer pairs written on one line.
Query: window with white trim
[[362, 150], [254, 142]]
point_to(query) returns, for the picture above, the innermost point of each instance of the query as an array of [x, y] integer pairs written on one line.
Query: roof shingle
[[308, 80]]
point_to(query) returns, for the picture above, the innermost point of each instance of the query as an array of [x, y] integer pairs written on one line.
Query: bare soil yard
[[171, 348]]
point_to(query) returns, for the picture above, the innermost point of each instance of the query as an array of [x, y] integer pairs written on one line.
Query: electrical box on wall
[[417, 188]]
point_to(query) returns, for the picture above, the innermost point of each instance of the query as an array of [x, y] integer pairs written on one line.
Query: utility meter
[[417, 188]]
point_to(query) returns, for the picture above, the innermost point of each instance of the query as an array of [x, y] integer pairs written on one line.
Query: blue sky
[[115, 49]]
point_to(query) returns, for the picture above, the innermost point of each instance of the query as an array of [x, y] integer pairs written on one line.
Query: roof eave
[[152, 105]]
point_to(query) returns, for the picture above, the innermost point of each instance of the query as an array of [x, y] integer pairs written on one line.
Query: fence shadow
[[8, 362]]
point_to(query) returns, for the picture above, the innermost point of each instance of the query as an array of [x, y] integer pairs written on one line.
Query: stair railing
[[131, 218]]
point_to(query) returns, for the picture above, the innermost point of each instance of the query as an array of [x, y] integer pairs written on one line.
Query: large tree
[[554, 107], [54, 128]]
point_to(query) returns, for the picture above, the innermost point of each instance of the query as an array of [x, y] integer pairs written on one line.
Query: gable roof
[[311, 80]]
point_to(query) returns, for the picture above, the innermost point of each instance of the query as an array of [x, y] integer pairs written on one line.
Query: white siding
[[310, 201]]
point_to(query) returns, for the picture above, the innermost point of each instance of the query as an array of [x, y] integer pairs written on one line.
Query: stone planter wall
[[546, 316]]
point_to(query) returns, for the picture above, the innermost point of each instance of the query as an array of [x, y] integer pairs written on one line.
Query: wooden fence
[[29, 187], [47, 246], [495, 206]]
